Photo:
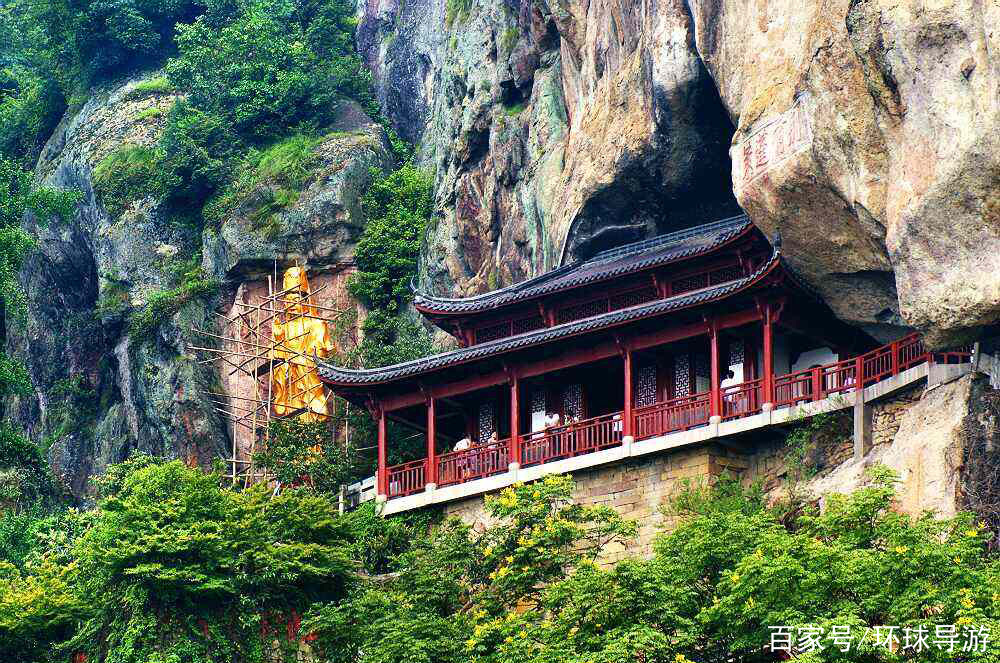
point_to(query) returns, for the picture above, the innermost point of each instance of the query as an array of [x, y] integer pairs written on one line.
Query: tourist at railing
[[462, 462]]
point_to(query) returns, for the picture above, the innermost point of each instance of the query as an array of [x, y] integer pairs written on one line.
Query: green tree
[[305, 453], [397, 209], [278, 65], [449, 591], [171, 566], [193, 155]]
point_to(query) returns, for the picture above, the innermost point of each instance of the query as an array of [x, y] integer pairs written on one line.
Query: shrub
[[275, 66], [125, 176], [150, 87], [30, 107], [94, 40], [162, 304], [194, 150], [306, 453], [397, 209], [173, 567]]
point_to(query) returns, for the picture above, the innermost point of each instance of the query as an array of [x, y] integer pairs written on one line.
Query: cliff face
[[553, 131], [865, 132], [101, 391]]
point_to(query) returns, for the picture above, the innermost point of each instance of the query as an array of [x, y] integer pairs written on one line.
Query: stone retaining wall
[[887, 415], [638, 489]]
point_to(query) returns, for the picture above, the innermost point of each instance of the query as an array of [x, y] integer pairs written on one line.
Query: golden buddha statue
[[298, 335]]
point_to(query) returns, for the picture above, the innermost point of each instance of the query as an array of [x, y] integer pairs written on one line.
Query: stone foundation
[[887, 415], [638, 489]]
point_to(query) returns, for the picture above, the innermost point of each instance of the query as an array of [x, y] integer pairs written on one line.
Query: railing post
[[859, 373], [431, 471], [817, 383], [515, 422], [894, 362], [629, 397]]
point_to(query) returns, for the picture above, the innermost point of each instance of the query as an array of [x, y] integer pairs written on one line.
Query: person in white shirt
[[463, 444]]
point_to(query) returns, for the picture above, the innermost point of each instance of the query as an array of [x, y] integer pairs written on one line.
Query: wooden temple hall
[[653, 345]]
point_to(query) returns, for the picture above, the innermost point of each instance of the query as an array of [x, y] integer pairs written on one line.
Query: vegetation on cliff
[[173, 567], [25, 479]]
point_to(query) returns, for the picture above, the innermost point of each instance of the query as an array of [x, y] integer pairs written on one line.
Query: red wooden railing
[[573, 439], [673, 415], [741, 400], [676, 414], [794, 388], [407, 478], [839, 377], [475, 463]]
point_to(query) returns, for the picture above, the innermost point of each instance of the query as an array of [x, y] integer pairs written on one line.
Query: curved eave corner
[[365, 378]]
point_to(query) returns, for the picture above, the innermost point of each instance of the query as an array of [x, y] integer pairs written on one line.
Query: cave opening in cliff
[[683, 178]]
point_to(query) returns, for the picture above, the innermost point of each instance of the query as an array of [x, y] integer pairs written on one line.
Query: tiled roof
[[607, 264], [347, 377]]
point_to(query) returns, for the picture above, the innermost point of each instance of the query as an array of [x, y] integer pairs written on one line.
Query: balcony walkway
[[668, 425]]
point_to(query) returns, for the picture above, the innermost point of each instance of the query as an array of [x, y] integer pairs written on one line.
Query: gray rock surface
[[553, 130], [558, 128]]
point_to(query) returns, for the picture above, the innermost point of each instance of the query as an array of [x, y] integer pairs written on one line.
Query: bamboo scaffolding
[[247, 350]]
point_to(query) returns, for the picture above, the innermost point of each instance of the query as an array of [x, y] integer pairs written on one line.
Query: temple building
[[666, 343]]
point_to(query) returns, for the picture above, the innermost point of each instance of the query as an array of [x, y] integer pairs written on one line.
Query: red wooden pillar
[[383, 476], [767, 366], [817, 383], [715, 402], [859, 373], [431, 474], [515, 420], [894, 362], [629, 396]]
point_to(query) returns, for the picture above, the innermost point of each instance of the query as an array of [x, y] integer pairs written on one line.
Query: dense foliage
[[173, 567], [276, 65], [397, 210], [307, 453], [526, 589]]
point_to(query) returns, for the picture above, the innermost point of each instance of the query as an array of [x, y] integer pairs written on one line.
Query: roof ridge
[[607, 255], [666, 238]]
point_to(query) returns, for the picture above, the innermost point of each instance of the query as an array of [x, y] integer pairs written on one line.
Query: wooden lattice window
[[682, 376], [645, 392], [725, 274], [493, 332], [538, 409], [584, 310], [632, 298], [573, 402], [487, 421], [702, 365], [736, 352], [525, 325], [688, 283]]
